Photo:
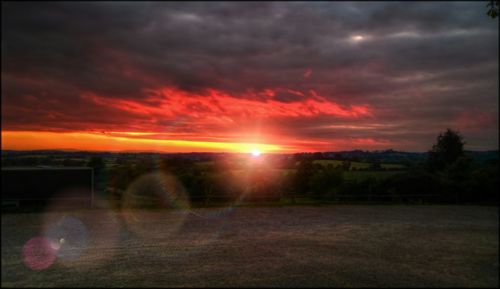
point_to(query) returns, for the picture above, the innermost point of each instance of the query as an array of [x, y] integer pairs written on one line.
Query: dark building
[[41, 186]]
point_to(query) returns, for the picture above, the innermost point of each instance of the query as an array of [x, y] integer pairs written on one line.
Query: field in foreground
[[300, 246]]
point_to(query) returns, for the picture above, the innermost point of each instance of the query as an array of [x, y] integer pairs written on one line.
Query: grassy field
[[297, 246], [359, 165], [354, 165], [348, 175], [361, 175]]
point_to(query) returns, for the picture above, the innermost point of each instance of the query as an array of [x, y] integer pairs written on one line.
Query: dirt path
[[393, 246]]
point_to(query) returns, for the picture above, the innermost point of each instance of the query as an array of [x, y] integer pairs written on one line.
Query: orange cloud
[[174, 120], [35, 140]]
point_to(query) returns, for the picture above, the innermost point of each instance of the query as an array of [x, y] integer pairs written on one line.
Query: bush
[[325, 181]]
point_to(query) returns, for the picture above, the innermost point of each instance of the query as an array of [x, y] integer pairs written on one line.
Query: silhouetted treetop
[[448, 148], [493, 9]]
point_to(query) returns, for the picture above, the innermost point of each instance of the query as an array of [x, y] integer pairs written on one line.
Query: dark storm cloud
[[424, 65]]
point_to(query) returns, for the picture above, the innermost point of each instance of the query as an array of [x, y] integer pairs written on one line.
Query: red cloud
[[307, 73], [477, 120], [215, 115], [221, 107]]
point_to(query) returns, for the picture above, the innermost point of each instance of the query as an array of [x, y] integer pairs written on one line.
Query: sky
[[240, 76]]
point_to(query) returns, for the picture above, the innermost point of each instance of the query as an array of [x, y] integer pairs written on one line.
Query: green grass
[[358, 165], [348, 175], [361, 175], [327, 162], [354, 165], [336, 163], [393, 166]]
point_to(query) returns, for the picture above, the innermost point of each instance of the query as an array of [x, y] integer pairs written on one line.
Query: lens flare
[[69, 237], [153, 203], [38, 253], [79, 236]]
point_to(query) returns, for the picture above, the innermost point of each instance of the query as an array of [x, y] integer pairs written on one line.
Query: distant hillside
[[482, 156], [392, 156], [386, 156]]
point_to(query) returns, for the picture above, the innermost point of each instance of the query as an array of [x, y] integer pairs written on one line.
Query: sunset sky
[[272, 76]]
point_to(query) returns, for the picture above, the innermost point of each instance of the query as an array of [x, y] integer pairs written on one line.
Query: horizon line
[[229, 152]]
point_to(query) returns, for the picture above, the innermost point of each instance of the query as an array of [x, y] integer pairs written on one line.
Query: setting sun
[[323, 143]]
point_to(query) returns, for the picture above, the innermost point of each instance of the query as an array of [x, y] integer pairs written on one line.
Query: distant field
[[204, 165], [393, 166], [297, 246], [348, 175], [359, 165], [361, 175], [354, 165]]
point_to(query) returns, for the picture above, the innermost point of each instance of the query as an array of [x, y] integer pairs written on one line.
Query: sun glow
[[32, 140], [255, 153], [357, 38]]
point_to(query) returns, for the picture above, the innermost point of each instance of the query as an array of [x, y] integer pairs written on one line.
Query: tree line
[[447, 175]]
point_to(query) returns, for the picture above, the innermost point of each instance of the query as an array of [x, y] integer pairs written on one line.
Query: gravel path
[[296, 246]]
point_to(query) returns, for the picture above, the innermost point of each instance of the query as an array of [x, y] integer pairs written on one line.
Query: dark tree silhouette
[[325, 181], [97, 163], [448, 148], [376, 165], [493, 8], [301, 181]]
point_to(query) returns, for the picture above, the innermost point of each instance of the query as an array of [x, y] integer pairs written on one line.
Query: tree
[[346, 165], [485, 182], [325, 181], [287, 186], [493, 10], [375, 165], [177, 166], [448, 148], [305, 170], [456, 179], [97, 163]]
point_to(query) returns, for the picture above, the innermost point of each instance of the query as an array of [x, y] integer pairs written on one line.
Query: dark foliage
[[448, 148], [493, 8], [448, 175]]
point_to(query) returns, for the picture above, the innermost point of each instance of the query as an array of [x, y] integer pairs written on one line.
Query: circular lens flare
[[78, 234], [69, 236], [154, 203], [39, 253]]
